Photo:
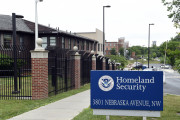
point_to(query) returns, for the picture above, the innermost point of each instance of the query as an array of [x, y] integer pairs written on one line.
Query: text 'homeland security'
[[133, 83]]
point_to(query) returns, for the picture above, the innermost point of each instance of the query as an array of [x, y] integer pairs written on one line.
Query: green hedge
[[7, 63]]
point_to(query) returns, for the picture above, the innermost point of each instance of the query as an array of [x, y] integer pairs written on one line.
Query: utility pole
[[165, 53]]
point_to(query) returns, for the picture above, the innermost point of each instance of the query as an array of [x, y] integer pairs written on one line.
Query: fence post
[[110, 66], [104, 64], [39, 61], [76, 70], [115, 66], [93, 62]]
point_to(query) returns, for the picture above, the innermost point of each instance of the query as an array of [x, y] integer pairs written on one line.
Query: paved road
[[172, 85], [172, 79]]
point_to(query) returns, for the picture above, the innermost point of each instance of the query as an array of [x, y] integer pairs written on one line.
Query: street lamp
[[36, 23], [149, 43], [14, 16], [108, 6]]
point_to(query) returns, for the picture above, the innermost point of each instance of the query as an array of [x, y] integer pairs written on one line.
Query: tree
[[113, 51], [121, 51], [177, 65], [118, 59], [173, 51], [174, 9], [154, 55], [136, 49]]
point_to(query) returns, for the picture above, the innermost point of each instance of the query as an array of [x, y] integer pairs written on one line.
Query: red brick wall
[[39, 78], [93, 63], [110, 66], [76, 68]]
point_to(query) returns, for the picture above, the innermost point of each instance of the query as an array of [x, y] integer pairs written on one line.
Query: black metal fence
[[99, 63], [15, 72], [113, 66], [86, 67], [59, 71], [107, 63]]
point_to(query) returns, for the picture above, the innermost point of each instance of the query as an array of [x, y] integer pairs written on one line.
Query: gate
[[59, 71], [86, 66], [15, 72]]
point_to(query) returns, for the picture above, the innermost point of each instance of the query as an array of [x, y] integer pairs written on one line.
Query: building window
[[7, 41], [82, 46], [44, 44], [52, 41], [69, 44], [109, 44], [87, 46], [98, 47], [63, 43], [91, 46], [94, 47], [74, 42], [106, 48], [21, 41]]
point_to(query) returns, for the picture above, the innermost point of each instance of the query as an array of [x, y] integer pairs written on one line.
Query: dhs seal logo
[[106, 83]]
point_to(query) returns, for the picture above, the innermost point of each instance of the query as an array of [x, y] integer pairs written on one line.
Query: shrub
[[7, 63]]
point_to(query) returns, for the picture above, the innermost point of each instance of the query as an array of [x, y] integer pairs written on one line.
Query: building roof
[[23, 25], [6, 24], [41, 28]]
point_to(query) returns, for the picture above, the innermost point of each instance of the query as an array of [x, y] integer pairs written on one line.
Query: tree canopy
[[118, 59], [113, 51], [174, 9]]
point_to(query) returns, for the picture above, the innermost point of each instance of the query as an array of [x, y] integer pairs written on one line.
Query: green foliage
[[113, 51], [154, 51], [121, 51], [137, 49], [177, 65], [173, 8], [7, 63], [154, 55], [176, 38], [118, 59], [173, 50]]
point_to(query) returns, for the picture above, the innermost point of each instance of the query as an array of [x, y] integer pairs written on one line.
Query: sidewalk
[[65, 109]]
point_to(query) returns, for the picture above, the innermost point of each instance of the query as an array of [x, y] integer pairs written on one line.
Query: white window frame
[[52, 39], [45, 43]]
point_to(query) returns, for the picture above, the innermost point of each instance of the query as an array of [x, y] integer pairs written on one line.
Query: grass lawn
[[23, 86], [171, 108], [10, 108]]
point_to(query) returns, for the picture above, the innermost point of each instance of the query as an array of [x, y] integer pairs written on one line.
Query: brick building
[[117, 45], [51, 37]]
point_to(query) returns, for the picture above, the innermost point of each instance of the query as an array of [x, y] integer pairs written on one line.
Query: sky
[[125, 18]]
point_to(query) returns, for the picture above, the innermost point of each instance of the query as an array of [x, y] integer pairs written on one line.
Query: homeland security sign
[[127, 90]]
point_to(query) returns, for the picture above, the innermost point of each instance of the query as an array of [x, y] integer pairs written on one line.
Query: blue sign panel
[[127, 90]]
